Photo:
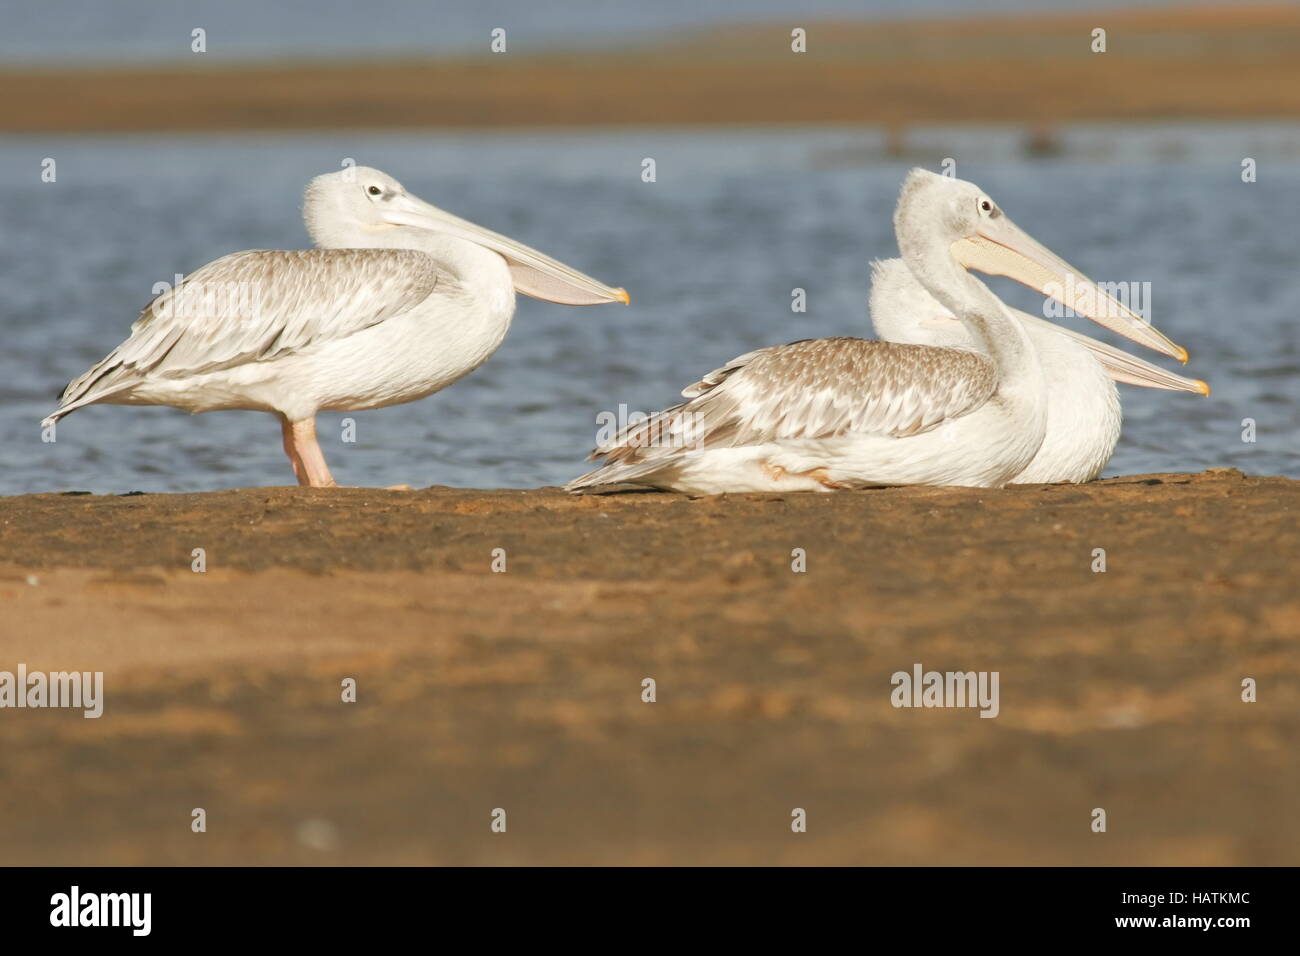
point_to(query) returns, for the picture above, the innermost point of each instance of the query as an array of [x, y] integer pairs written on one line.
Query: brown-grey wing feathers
[[815, 388]]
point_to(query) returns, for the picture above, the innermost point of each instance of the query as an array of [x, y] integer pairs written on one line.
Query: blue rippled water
[[710, 253]]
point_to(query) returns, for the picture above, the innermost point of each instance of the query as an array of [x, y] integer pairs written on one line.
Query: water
[[710, 253]]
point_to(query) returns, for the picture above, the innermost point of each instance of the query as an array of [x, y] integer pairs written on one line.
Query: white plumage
[[403, 300], [845, 413], [1083, 404]]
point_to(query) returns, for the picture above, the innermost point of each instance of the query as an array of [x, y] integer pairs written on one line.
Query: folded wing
[[811, 389], [259, 305]]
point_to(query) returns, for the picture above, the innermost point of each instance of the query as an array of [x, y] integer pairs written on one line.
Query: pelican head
[[358, 206], [962, 218]]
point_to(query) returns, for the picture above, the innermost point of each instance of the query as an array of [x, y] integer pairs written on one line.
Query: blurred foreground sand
[[522, 690]]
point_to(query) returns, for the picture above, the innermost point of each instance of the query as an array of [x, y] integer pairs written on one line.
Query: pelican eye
[[374, 190], [986, 206]]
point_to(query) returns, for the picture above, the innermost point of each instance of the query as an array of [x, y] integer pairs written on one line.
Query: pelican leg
[[821, 474], [306, 452], [286, 432], [306, 457]]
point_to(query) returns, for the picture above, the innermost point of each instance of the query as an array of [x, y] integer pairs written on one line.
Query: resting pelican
[[401, 300], [825, 414], [1083, 409]]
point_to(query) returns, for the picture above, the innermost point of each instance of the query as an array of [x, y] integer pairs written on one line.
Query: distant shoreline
[[1200, 63]]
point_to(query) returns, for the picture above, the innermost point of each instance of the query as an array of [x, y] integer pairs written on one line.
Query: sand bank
[[523, 690]]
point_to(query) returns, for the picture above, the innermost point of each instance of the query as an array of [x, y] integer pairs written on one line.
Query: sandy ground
[[522, 690], [1235, 61]]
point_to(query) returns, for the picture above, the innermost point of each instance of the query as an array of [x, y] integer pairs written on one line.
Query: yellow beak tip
[[1204, 387], [1182, 355], [627, 299]]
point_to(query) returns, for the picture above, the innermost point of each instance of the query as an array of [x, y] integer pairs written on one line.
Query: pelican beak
[[534, 273], [1130, 370], [1118, 365], [1001, 248]]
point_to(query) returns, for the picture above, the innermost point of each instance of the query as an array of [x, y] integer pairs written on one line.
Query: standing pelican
[[401, 300], [826, 414], [1083, 409]]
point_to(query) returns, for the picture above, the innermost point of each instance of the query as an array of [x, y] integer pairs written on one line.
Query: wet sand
[[1228, 62], [522, 690]]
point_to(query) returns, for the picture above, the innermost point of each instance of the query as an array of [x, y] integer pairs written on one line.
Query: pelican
[[400, 300], [828, 414], [1083, 408]]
